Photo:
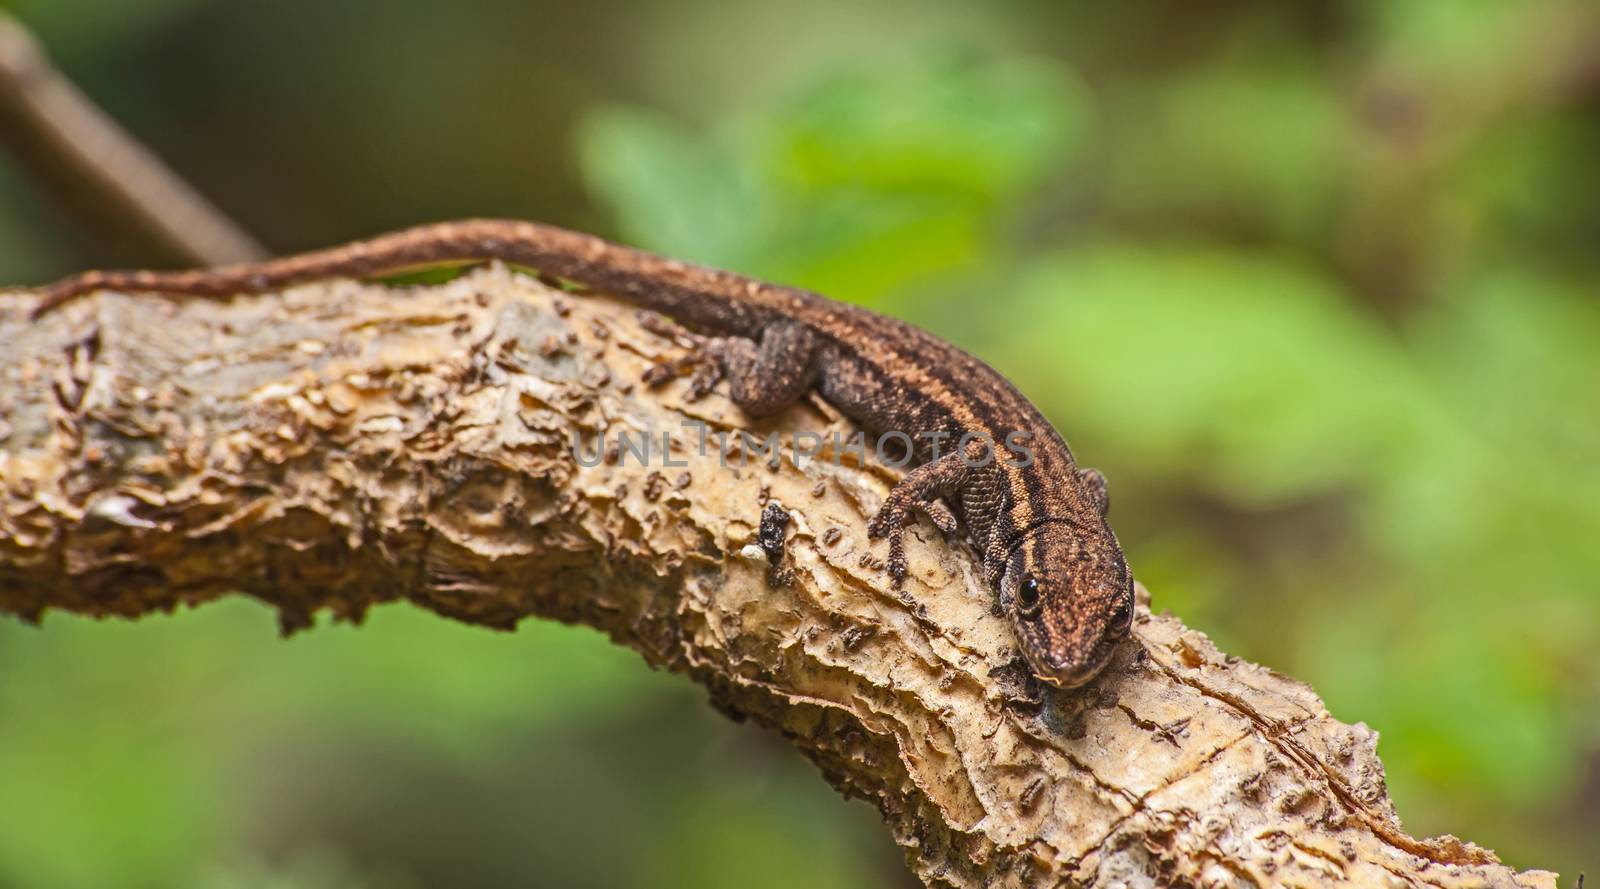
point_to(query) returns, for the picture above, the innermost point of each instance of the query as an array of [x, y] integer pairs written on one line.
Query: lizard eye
[[1028, 595], [1123, 613]]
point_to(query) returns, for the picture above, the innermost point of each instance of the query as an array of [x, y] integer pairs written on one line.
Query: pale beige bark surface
[[342, 445]]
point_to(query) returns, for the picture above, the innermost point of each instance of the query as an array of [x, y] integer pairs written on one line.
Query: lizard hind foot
[[1094, 484], [702, 365], [705, 376]]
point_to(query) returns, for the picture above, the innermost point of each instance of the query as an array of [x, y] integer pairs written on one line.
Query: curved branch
[[341, 445]]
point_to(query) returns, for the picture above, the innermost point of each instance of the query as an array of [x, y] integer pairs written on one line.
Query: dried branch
[[98, 172], [341, 445]]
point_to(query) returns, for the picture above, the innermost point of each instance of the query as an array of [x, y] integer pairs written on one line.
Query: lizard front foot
[[920, 490], [890, 522], [941, 516]]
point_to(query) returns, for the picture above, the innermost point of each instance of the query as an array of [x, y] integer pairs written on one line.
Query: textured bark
[[341, 445]]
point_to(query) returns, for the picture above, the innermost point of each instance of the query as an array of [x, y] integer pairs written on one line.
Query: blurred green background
[[1315, 284]]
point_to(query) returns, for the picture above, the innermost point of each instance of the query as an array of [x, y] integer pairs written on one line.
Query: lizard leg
[[1095, 483], [919, 490], [763, 378]]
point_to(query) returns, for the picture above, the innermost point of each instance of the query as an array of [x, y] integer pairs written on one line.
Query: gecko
[[1037, 521]]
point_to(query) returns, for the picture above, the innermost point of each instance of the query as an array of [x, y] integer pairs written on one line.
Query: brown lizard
[[1037, 520]]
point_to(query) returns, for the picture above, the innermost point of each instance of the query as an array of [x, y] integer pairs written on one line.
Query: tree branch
[[341, 445]]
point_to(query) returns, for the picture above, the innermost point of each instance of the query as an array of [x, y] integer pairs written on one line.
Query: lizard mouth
[[1065, 677]]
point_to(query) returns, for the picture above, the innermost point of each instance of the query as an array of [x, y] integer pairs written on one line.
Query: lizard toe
[[706, 375], [896, 563], [659, 373], [941, 516], [883, 523]]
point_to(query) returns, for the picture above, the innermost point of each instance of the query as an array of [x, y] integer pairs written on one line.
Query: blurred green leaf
[[959, 127], [865, 184], [673, 189], [1249, 373], [1259, 142]]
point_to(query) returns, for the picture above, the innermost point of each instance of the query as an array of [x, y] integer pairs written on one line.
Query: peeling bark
[[340, 445]]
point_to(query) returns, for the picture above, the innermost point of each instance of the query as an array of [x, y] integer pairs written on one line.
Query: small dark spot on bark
[[71, 400], [831, 536], [682, 481], [819, 489], [1250, 788], [853, 638], [1023, 705], [1010, 672], [770, 536], [1298, 801], [659, 324], [654, 484], [1173, 730], [91, 343], [1030, 794]]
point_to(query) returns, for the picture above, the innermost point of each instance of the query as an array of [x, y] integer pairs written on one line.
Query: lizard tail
[[667, 285]]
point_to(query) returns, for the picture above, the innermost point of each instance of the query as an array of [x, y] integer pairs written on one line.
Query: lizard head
[[1070, 598]]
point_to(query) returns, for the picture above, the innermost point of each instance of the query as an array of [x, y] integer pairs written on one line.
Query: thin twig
[[99, 172]]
